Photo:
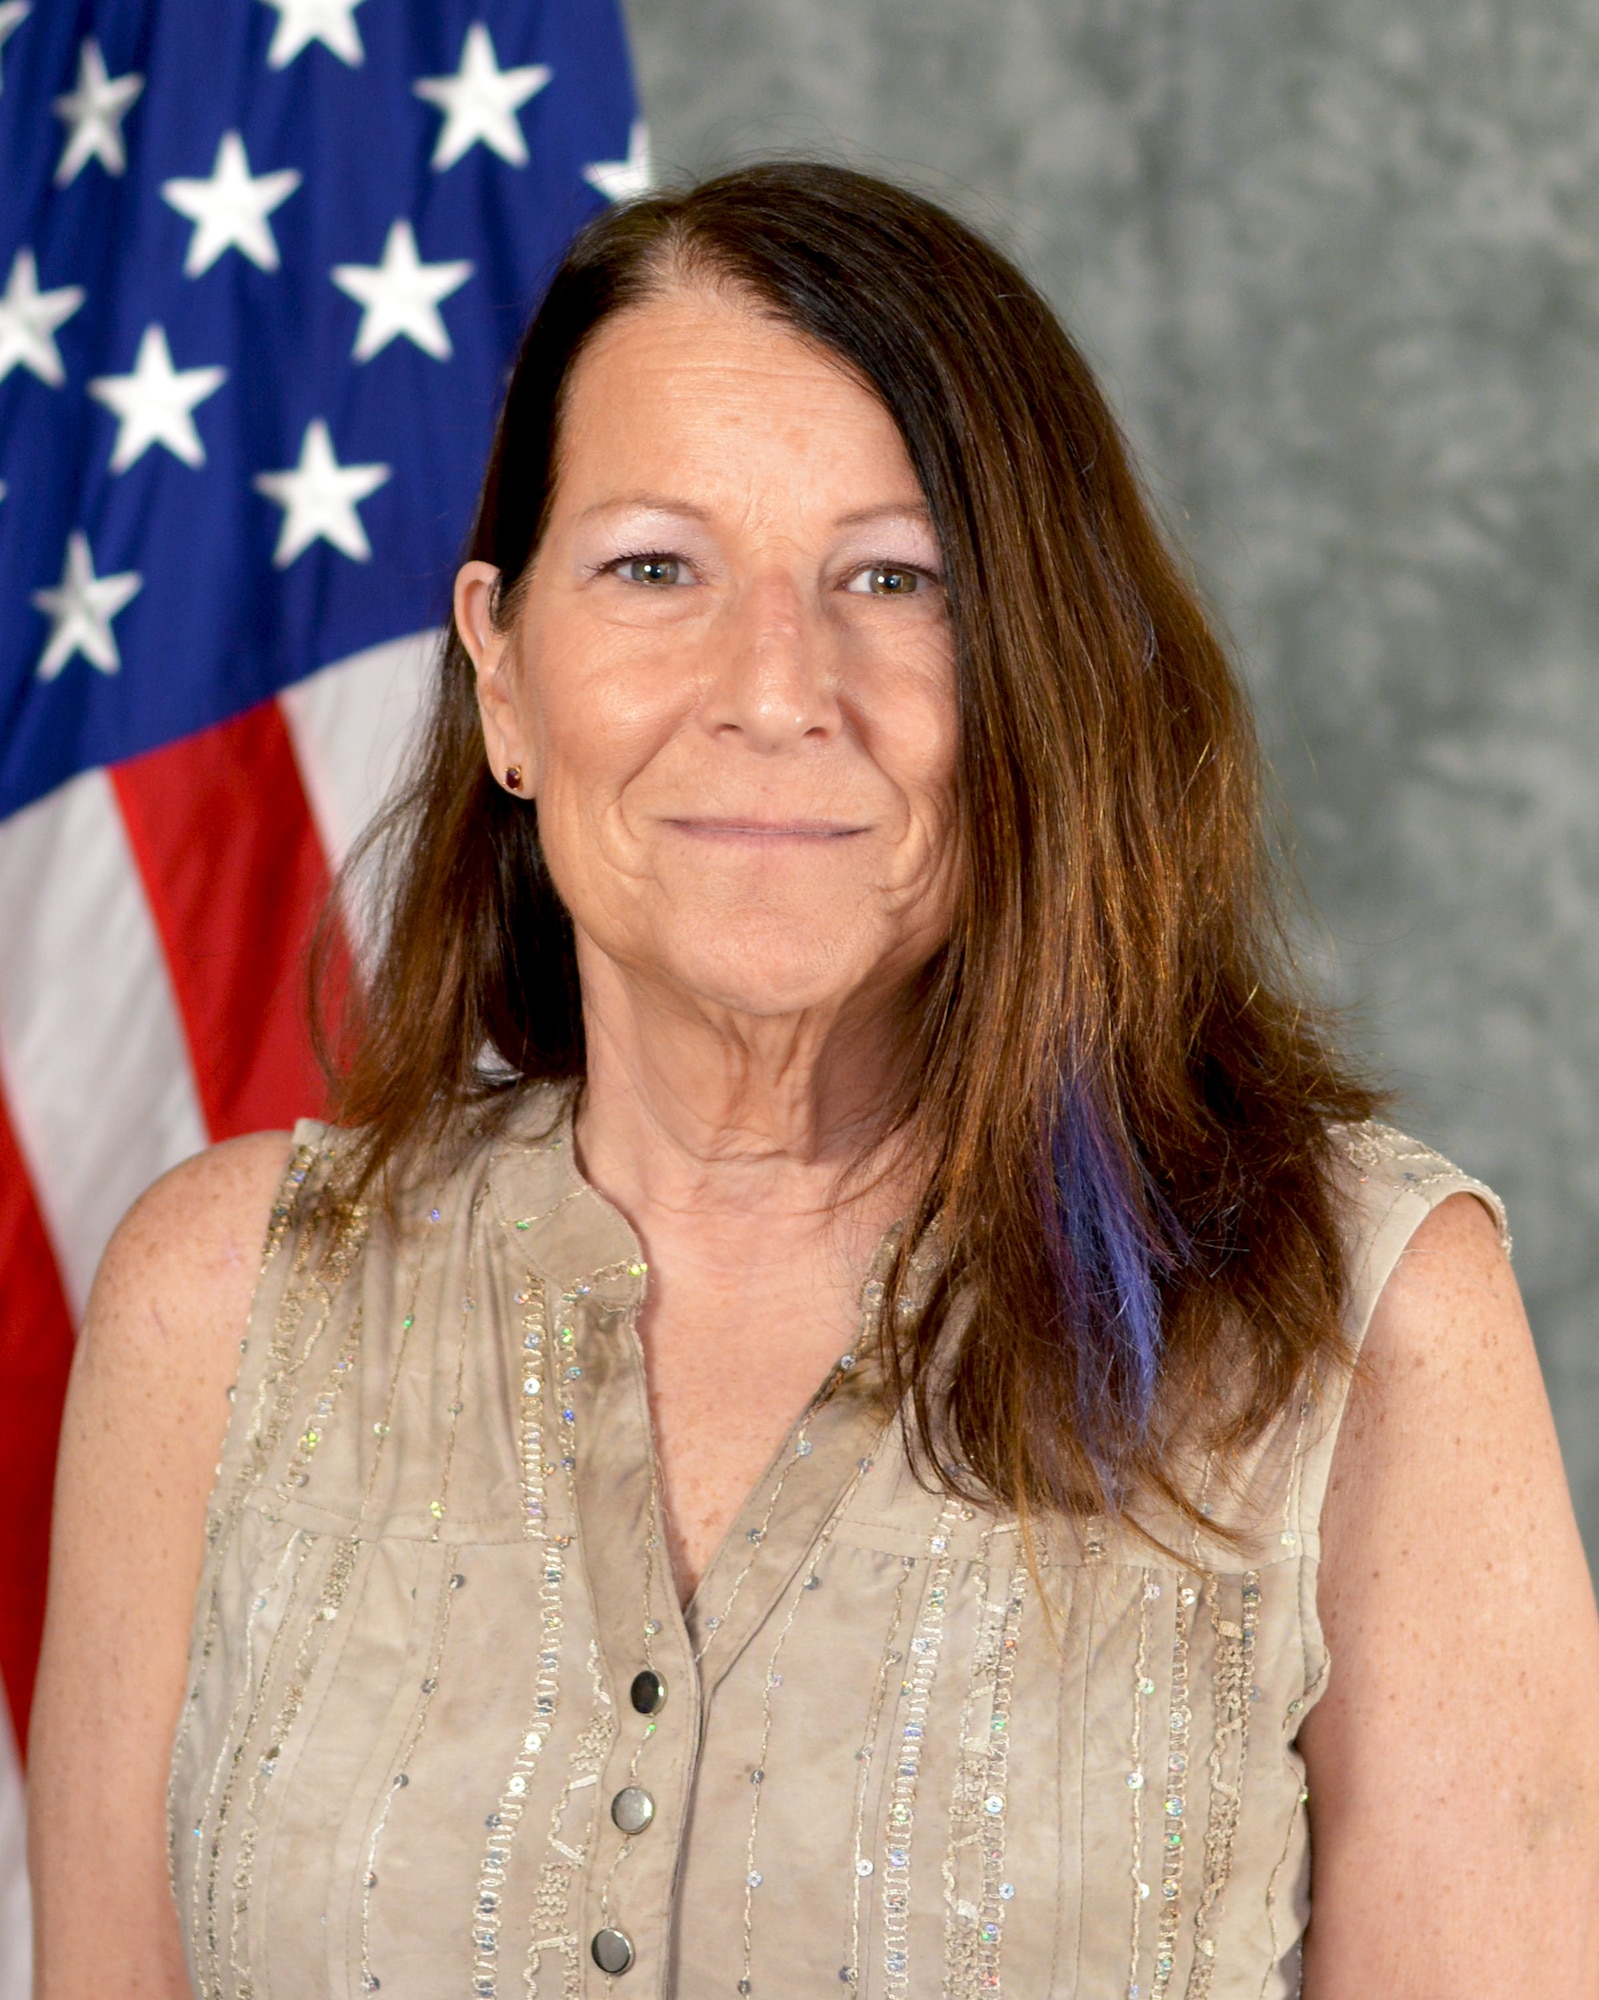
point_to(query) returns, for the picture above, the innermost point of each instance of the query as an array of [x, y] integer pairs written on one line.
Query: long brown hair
[[1122, 1104]]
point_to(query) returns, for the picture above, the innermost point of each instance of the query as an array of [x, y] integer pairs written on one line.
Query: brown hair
[[1122, 1106]]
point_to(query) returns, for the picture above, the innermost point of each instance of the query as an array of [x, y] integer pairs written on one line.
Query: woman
[[805, 1436]]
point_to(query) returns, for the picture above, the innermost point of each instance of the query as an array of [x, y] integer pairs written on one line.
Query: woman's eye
[[652, 569], [887, 580]]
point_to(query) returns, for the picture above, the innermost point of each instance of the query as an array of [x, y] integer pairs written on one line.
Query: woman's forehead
[[696, 303], [699, 334], [703, 372]]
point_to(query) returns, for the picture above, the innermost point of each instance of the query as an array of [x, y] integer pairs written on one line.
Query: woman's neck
[[746, 1153], [741, 1129]]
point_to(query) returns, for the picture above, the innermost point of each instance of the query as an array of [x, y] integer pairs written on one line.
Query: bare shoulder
[[1448, 1439], [1432, 1291], [1448, 1365], [214, 1206], [1464, 1650], [1455, 1262], [169, 1305], [186, 1256]]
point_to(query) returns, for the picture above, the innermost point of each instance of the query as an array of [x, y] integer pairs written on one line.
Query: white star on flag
[[29, 318], [480, 102], [81, 608], [12, 15], [230, 210], [401, 296], [624, 180], [318, 497], [95, 111], [330, 22], [155, 404]]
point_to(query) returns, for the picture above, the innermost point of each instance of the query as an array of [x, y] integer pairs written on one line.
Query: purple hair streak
[[1112, 1240]]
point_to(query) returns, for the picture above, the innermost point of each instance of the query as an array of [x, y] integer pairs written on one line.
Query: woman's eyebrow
[[890, 510], [660, 503], [646, 503]]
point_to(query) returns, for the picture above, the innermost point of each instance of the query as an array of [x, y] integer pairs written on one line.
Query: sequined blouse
[[448, 1732]]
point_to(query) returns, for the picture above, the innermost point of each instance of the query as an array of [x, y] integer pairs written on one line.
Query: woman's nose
[[774, 674]]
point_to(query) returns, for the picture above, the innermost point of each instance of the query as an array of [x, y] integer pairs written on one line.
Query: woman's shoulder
[[190, 1246], [1386, 1185], [1397, 1201], [166, 1315], [216, 1219]]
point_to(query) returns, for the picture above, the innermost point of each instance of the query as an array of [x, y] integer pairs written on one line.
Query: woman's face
[[730, 685]]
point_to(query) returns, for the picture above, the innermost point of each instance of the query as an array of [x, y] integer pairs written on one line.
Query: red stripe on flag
[[236, 877], [35, 1355]]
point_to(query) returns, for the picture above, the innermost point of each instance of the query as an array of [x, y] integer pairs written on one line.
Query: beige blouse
[[448, 1732]]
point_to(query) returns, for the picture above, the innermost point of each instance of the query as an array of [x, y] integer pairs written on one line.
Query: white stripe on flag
[[351, 726], [92, 1054], [16, 1929]]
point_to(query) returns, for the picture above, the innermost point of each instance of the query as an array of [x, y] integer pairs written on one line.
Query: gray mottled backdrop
[[1336, 260]]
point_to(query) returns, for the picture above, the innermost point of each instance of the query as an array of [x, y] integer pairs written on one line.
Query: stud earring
[[513, 777]]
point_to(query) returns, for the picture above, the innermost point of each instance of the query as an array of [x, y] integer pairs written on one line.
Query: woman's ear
[[493, 655]]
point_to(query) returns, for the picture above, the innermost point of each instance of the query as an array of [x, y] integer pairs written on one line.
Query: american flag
[[263, 264]]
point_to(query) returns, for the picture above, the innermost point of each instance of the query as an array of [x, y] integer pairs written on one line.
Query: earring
[[513, 777]]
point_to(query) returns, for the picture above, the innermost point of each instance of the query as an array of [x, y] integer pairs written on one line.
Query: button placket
[[630, 1916]]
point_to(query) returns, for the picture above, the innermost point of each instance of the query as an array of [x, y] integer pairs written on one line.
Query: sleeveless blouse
[[448, 1733]]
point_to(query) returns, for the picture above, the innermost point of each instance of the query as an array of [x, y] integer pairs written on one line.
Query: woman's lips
[[766, 829]]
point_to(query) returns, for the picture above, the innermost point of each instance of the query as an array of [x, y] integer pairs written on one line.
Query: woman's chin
[[770, 970]]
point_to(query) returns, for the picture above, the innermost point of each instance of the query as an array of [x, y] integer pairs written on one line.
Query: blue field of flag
[[263, 264]]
